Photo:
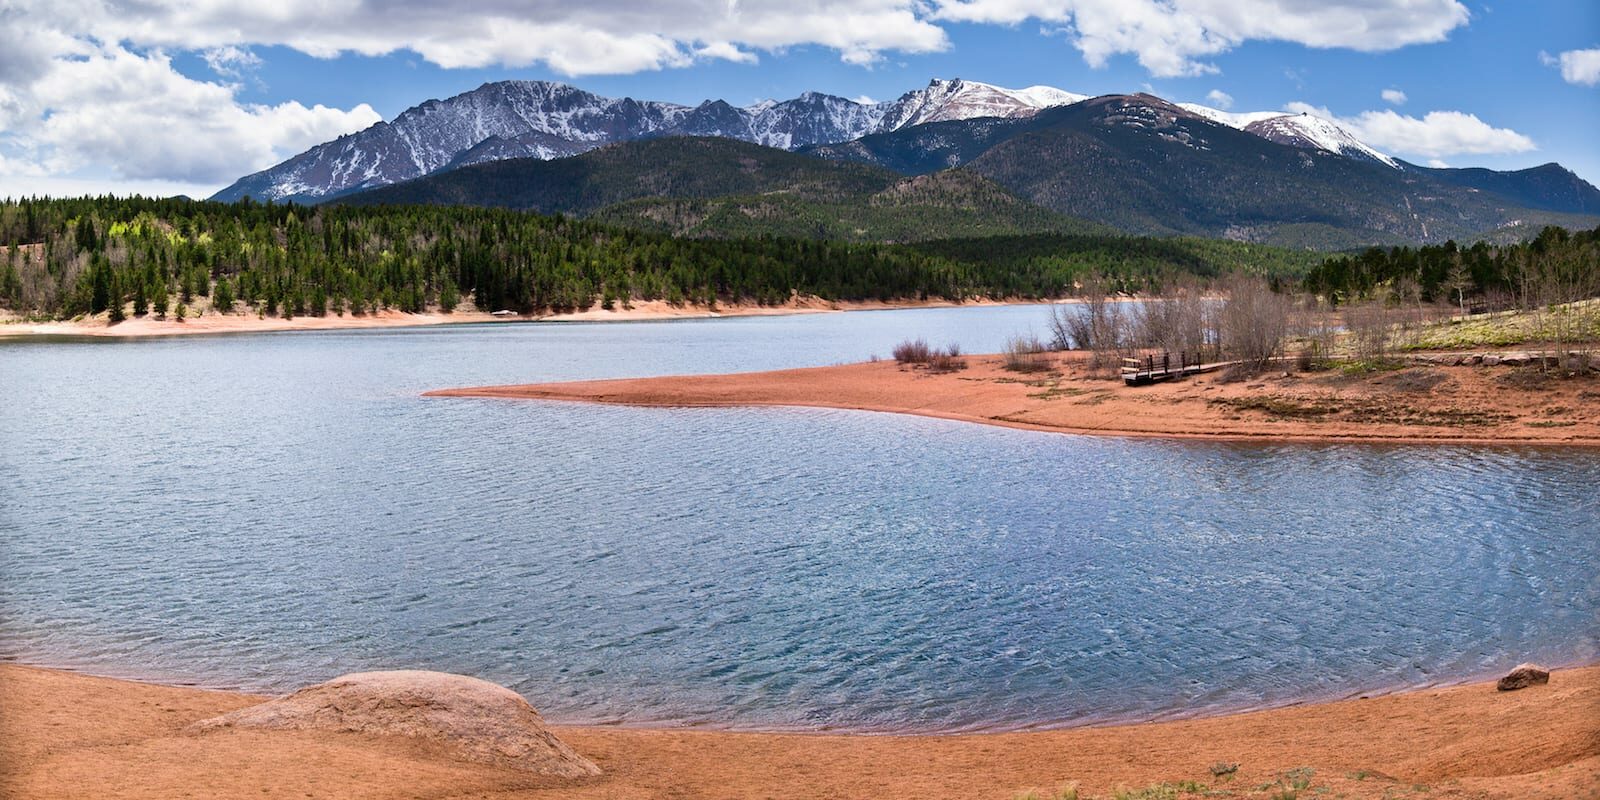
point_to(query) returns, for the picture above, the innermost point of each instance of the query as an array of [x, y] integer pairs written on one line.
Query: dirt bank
[[1463, 404], [212, 322], [68, 735]]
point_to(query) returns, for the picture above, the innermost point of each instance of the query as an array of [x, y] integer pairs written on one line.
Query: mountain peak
[[545, 119]]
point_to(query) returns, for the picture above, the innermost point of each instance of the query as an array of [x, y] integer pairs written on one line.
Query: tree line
[[67, 257], [61, 258], [1556, 266]]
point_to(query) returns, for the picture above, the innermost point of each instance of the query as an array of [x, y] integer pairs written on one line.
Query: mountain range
[[1062, 161], [539, 119]]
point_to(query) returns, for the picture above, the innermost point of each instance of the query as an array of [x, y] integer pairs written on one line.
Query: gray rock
[[476, 720], [1523, 676]]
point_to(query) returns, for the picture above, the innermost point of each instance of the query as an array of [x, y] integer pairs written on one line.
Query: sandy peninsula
[[66, 735], [1424, 403], [203, 321]]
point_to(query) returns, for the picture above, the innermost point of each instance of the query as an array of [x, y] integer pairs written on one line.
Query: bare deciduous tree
[[1255, 322]]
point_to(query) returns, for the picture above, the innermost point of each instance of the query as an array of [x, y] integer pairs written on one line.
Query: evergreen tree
[[222, 297], [101, 279], [158, 300], [449, 296]]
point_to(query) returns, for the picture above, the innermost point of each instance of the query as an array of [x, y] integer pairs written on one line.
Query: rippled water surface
[[265, 511]]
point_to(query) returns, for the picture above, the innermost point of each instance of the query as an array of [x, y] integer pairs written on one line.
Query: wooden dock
[[1154, 368]]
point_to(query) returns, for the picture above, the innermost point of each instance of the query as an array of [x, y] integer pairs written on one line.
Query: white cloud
[[593, 37], [88, 85], [727, 52], [1435, 135], [133, 117], [1578, 67], [1220, 99], [230, 61], [1171, 37], [1394, 97]]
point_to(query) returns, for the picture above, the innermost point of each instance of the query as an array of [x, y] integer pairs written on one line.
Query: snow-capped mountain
[[943, 101], [538, 119], [1316, 133], [1296, 130]]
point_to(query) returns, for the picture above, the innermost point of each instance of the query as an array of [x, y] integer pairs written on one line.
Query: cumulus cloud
[[1220, 99], [594, 37], [89, 82], [136, 117], [1394, 97], [1173, 37], [1435, 135], [1578, 67], [87, 85]]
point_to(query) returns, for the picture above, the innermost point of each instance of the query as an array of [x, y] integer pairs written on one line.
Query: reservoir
[[266, 511]]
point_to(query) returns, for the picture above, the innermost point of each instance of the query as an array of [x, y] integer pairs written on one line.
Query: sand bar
[[1468, 405]]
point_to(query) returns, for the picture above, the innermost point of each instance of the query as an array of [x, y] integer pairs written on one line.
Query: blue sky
[[185, 96]]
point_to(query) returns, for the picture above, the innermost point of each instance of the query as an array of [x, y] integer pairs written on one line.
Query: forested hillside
[[64, 258], [941, 205], [1132, 264], [720, 188], [1556, 266]]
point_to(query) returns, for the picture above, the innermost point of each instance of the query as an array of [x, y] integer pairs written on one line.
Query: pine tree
[[100, 279], [158, 300], [222, 297], [449, 296]]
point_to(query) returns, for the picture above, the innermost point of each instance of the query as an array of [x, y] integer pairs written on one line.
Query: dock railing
[[1152, 368]]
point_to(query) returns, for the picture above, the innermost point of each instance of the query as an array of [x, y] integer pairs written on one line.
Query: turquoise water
[[266, 511]]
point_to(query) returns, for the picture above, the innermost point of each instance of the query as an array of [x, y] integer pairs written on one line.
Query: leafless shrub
[[1096, 323], [1026, 354], [1182, 322], [912, 351], [945, 361], [1369, 325], [1318, 331], [917, 351]]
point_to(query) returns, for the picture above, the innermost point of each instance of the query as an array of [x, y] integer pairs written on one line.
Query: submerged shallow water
[[266, 511]]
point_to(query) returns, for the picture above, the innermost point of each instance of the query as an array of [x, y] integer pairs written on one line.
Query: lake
[[264, 511]]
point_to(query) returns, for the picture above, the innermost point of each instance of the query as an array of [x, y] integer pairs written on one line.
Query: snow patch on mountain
[[540, 119], [1295, 130]]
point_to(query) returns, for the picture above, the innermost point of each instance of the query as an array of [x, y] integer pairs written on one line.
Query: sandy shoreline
[[646, 311], [70, 735], [1432, 404]]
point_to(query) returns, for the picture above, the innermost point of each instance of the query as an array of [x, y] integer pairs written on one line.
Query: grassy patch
[[1281, 408], [1571, 322], [1224, 770]]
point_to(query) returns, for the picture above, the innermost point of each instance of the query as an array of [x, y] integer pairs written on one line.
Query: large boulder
[[1523, 676], [477, 720]]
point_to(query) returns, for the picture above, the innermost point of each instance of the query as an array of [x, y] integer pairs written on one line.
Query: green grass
[[1571, 322]]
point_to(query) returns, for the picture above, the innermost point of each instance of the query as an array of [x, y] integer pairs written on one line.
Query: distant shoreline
[[642, 311], [1437, 404], [65, 734]]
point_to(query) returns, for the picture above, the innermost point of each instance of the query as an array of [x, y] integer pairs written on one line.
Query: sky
[[185, 96]]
